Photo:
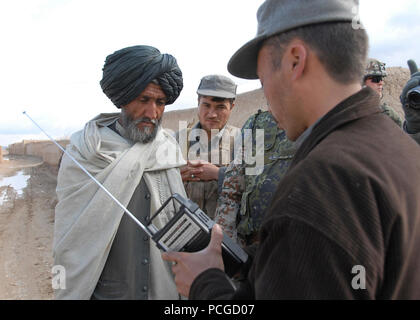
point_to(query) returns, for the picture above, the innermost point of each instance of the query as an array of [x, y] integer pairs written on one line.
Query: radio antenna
[[93, 178]]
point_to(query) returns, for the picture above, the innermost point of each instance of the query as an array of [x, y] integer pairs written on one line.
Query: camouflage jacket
[[245, 198], [205, 193], [390, 112]]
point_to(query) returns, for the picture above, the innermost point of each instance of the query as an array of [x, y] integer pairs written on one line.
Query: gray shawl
[[86, 219]]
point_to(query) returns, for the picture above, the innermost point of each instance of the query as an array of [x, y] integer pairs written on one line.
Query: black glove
[[412, 115]]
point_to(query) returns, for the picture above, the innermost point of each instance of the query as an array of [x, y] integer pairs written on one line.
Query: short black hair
[[217, 99], [341, 49]]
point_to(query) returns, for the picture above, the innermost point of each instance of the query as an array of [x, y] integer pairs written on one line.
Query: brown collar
[[360, 105]]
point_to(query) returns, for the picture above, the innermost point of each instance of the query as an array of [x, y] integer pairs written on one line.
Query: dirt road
[[27, 201]]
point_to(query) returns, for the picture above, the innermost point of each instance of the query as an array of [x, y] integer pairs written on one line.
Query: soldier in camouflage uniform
[[374, 74], [244, 198]]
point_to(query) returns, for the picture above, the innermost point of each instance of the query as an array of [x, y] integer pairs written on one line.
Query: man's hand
[[199, 171], [190, 172], [210, 171], [187, 266]]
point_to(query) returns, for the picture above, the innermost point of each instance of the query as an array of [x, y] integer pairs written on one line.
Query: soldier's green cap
[[278, 16]]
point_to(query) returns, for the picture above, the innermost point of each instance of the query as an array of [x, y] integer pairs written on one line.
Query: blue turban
[[128, 71]]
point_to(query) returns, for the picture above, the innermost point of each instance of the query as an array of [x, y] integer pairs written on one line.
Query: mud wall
[[18, 148], [46, 150], [394, 83]]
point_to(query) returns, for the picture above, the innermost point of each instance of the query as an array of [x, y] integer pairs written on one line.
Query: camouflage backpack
[[260, 189]]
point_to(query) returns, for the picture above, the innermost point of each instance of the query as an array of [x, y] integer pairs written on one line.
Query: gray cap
[[277, 16], [217, 86]]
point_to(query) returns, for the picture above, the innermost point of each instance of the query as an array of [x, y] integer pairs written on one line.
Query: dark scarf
[[128, 71]]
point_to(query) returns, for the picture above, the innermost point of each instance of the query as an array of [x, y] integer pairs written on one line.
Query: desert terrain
[[27, 201]]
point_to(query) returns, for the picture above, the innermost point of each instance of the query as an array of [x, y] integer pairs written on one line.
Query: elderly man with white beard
[[105, 255]]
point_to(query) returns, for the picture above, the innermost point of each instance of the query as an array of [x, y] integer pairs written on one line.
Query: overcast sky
[[52, 51]]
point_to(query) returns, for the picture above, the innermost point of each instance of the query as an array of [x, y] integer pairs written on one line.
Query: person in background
[[210, 142], [374, 78], [245, 197]]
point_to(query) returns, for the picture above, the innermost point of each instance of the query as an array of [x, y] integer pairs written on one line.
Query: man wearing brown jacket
[[345, 220]]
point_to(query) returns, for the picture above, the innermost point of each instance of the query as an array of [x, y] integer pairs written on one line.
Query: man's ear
[[198, 104], [121, 115], [232, 105], [298, 56]]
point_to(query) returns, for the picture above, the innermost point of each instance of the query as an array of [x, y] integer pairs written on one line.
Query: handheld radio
[[188, 230]]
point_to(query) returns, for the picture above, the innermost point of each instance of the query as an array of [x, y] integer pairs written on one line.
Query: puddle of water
[[17, 182]]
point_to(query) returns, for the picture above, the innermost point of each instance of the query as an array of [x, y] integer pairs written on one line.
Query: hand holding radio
[[187, 266]]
